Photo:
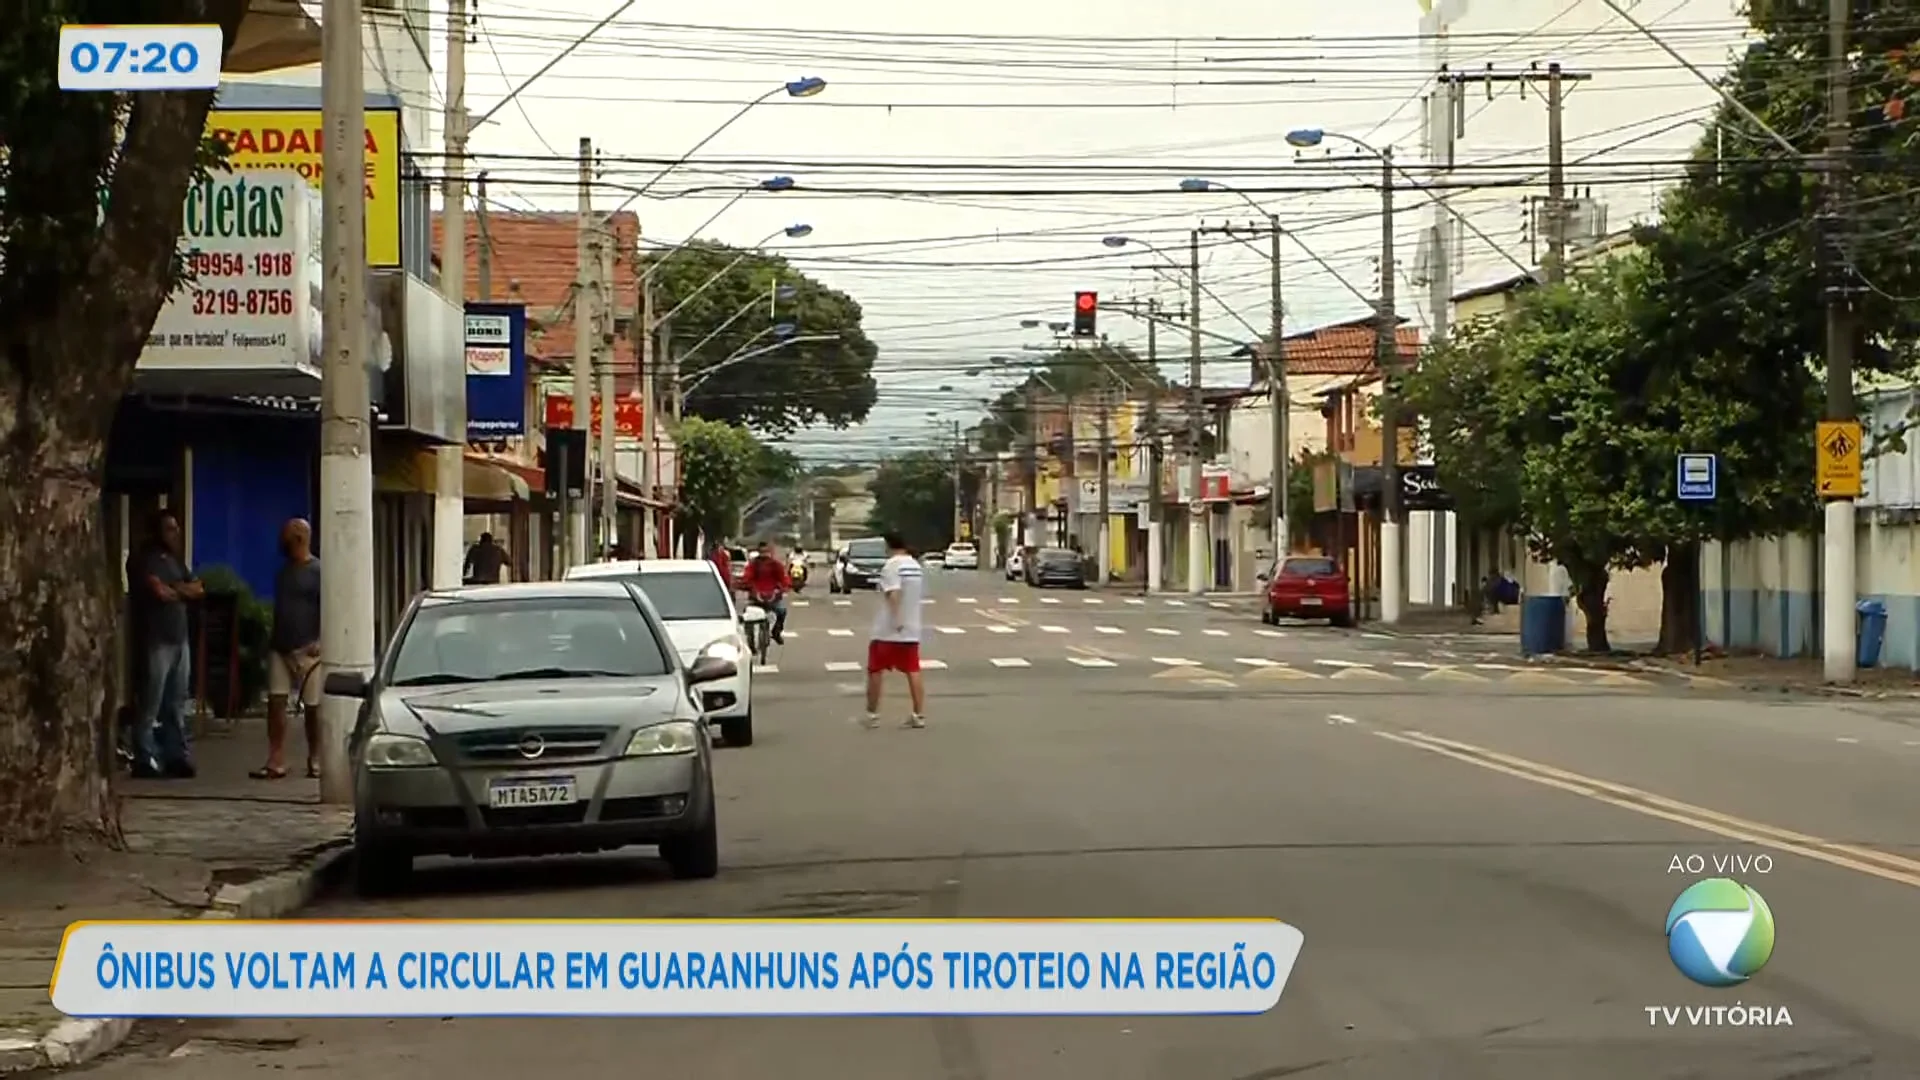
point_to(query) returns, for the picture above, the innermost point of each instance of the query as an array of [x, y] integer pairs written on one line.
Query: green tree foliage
[[91, 188], [1067, 372], [913, 496], [812, 382], [720, 465]]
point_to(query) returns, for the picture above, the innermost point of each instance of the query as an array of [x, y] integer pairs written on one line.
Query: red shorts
[[902, 656]]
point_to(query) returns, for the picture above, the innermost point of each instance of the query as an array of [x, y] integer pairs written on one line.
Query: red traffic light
[[1085, 301]]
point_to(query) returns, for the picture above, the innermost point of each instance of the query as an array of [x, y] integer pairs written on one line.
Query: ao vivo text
[[1721, 865]]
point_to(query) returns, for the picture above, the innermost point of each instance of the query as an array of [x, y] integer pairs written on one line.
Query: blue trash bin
[[1543, 625], [1872, 632]]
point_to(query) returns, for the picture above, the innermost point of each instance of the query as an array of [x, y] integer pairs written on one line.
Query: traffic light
[[1086, 305]]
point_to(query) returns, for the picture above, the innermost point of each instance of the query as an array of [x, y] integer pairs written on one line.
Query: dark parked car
[[1051, 567], [1307, 587], [531, 719]]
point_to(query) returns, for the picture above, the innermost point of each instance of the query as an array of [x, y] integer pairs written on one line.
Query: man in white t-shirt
[[895, 645]]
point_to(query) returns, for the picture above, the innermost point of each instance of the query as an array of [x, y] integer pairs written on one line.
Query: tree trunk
[[1680, 629], [75, 312], [1591, 595]]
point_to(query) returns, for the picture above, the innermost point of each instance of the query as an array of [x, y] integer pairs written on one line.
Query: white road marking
[[1091, 600], [839, 631], [1010, 661], [766, 669], [1008, 600], [843, 603], [1109, 630], [1254, 661], [1089, 661], [1211, 632], [1341, 664], [1218, 605], [1270, 633], [801, 603], [1849, 742], [1163, 631], [966, 600], [933, 665], [1499, 667], [1176, 603], [1135, 600], [1336, 718], [1378, 637], [951, 629], [926, 600], [843, 665], [999, 628], [1175, 661], [1049, 599], [1417, 665], [1054, 629]]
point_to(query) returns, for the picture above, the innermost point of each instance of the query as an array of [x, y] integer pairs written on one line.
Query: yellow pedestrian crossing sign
[[1837, 456]]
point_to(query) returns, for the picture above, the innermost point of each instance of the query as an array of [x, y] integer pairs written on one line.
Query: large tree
[[913, 496], [91, 186], [1077, 373], [720, 465], [732, 301]]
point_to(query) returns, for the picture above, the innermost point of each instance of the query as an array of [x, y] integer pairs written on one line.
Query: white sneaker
[[915, 721], [870, 721]]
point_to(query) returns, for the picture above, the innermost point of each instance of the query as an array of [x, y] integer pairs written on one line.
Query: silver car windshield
[[684, 595], [493, 640]]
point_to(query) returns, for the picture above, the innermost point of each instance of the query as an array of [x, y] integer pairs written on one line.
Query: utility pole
[[1837, 616], [485, 245], [346, 407], [1032, 523], [959, 507], [1197, 553], [1156, 556], [603, 308], [583, 334], [649, 420], [1555, 80], [449, 462], [1276, 370], [1392, 553], [1105, 536]]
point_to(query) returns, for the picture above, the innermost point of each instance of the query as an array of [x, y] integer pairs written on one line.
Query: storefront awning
[[491, 479], [275, 34]]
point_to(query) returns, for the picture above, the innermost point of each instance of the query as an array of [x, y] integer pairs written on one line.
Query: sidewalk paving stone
[[218, 846]]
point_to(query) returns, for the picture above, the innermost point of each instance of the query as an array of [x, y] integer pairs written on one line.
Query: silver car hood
[[452, 710]]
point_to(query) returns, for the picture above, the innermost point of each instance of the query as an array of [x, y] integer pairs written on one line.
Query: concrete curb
[[76, 1042]]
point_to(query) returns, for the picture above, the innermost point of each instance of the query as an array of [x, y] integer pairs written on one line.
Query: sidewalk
[[1766, 674], [219, 846]]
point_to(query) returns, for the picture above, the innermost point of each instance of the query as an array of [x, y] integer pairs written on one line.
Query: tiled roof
[[1342, 349], [534, 258]]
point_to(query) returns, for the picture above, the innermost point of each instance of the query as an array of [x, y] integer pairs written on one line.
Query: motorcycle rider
[[767, 583], [797, 570]]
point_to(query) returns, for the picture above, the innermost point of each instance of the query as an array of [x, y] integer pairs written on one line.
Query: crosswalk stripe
[[1192, 671], [1378, 637], [842, 665], [966, 600], [999, 628], [951, 629], [766, 669], [1163, 631], [1054, 629], [1270, 633], [1417, 665], [1341, 664], [1049, 599], [1090, 661], [1217, 605], [1091, 600], [839, 631], [1008, 600], [1136, 600], [1175, 661], [1010, 661], [1254, 661], [1362, 673], [1109, 630], [843, 603], [1498, 667], [933, 665], [802, 603], [1176, 603], [1281, 671], [1211, 632], [1447, 674]]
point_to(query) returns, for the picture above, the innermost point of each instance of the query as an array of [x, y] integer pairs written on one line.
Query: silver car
[[531, 719]]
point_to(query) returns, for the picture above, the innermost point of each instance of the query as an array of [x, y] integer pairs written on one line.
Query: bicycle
[[759, 634]]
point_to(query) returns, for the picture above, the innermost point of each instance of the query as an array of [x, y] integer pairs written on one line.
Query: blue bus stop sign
[[1698, 478]]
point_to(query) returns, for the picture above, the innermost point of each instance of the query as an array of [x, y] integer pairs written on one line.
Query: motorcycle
[[797, 573]]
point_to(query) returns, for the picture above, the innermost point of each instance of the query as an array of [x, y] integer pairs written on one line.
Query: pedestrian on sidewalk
[[161, 590], [293, 662], [895, 645], [484, 561]]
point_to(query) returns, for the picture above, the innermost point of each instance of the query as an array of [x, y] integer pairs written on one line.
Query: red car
[[1307, 587]]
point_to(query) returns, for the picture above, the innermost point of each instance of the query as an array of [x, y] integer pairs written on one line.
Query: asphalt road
[[1480, 865]]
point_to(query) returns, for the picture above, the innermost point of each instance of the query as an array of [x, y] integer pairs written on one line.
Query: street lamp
[[784, 329], [805, 87], [793, 232], [1307, 138]]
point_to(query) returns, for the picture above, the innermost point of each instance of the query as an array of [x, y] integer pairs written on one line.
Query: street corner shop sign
[[290, 140], [250, 241]]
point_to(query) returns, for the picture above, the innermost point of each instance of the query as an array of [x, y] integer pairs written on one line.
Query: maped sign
[[251, 298], [496, 354]]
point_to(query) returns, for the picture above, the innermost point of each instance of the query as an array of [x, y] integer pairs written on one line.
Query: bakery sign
[[249, 299]]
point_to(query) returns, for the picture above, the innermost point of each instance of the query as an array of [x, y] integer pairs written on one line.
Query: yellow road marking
[[1880, 864]]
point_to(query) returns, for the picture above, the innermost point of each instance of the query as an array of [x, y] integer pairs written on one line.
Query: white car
[[962, 556], [702, 619], [1016, 564]]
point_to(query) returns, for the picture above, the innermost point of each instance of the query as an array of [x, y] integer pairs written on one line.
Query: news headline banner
[[701, 967]]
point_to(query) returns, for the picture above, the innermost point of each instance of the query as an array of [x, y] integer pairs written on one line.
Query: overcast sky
[[936, 117]]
